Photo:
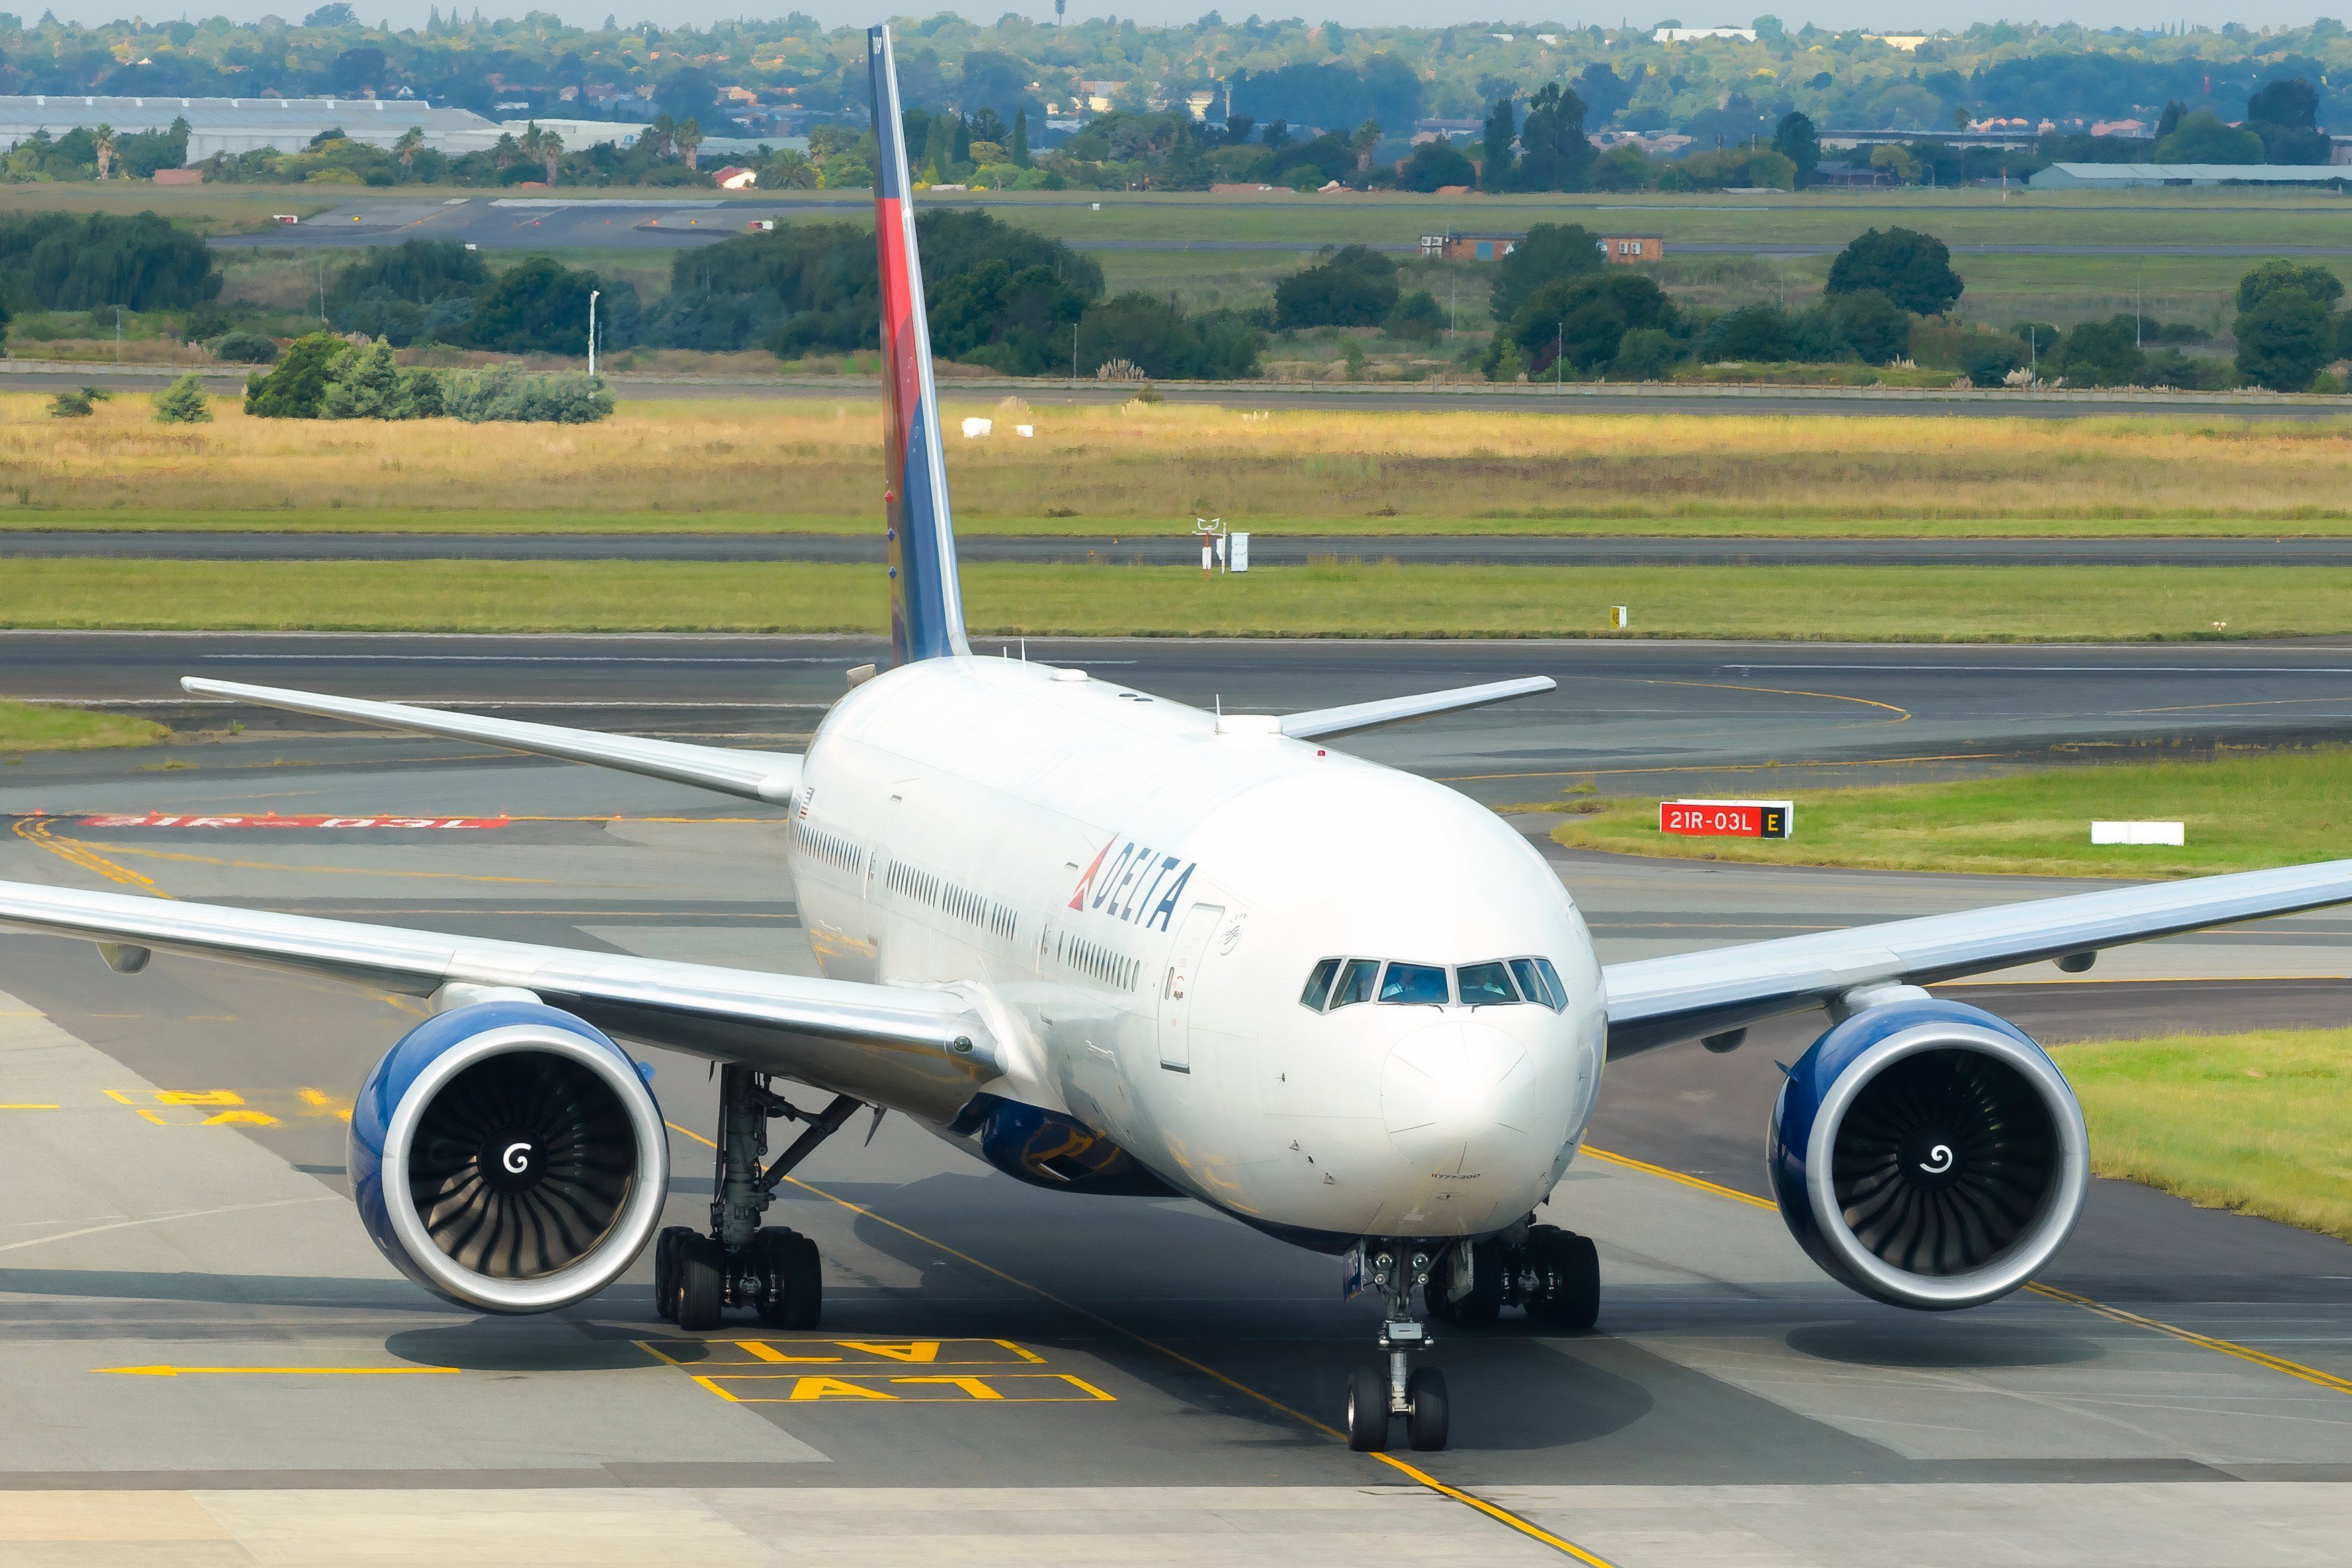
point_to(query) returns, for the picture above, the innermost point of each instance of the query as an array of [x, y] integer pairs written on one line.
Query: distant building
[[1627, 249], [234, 125], [2125, 176], [1447, 130], [735, 177], [1685, 35], [1455, 246], [1906, 42]]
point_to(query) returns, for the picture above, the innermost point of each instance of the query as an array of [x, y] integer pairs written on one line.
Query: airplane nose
[[1457, 1096]]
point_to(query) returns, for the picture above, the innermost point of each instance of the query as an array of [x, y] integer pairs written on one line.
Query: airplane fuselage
[[1143, 895]]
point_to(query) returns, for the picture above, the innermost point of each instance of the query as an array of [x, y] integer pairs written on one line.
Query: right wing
[[1316, 723], [770, 776], [918, 1050]]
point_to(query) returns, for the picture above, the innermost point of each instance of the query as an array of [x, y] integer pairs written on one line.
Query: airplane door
[[1176, 990]]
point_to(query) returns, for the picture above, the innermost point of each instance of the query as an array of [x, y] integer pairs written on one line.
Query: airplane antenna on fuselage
[[926, 599]]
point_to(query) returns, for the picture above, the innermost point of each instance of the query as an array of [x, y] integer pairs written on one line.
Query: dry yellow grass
[[817, 463]]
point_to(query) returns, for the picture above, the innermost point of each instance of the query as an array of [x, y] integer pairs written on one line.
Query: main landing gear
[[1552, 1274], [741, 1263]]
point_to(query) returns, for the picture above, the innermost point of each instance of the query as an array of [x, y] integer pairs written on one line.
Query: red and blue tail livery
[[926, 602]]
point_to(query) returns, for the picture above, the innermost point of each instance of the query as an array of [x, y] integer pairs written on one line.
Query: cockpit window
[[1355, 983], [1486, 985], [1540, 981], [1318, 985], [1410, 985]]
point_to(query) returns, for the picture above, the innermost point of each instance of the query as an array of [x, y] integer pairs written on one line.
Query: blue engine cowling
[[509, 1156], [1928, 1154]]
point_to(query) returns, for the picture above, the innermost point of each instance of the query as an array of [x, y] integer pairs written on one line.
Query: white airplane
[[1113, 944]]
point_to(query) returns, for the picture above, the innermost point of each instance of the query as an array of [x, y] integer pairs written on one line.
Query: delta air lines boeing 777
[[1116, 945]]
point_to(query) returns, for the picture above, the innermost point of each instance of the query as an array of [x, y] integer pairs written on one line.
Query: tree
[[1417, 318], [2286, 116], [366, 385], [1495, 173], [687, 137], [183, 403], [1021, 137], [1434, 164], [2279, 277], [2100, 354], [551, 153], [1555, 155], [2285, 340], [1754, 332], [406, 148], [1584, 319], [294, 390], [2202, 138], [1796, 140], [1875, 328], [1357, 288], [1911, 269], [1217, 345], [1547, 253], [1897, 161], [101, 142], [539, 305]]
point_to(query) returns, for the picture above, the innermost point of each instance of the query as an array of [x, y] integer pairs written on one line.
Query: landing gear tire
[[701, 1285], [792, 1279], [1429, 1418], [667, 1248], [1368, 1412], [1567, 1271]]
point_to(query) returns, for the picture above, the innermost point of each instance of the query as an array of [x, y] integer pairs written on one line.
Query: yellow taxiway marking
[[928, 1388], [37, 829], [28, 1107], [2279, 1363], [1494, 1512], [280, 1371]]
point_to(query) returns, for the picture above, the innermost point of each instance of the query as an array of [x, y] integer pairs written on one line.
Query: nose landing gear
[[1553, 1275], [1417, 1394], [741, 1263]]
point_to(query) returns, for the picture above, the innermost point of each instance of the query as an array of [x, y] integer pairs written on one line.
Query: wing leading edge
[[1656, 1001], [770, 776], [918, 1049]]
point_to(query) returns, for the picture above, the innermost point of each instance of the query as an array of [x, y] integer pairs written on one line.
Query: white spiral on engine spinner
[[517, 1158], [1942, 1155]]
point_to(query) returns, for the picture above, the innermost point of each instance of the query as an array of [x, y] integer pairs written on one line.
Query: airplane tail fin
[[926, 599]]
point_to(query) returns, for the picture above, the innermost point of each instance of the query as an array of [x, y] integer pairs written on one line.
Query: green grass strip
[[2258, 1123], [2242, 812], [28, 726], [1814, 604]]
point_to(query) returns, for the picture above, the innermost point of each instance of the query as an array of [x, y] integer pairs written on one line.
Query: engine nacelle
[[1928, 1155], [509, 1156]]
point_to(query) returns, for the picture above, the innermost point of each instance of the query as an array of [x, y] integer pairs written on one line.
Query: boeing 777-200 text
[[1116, 945]]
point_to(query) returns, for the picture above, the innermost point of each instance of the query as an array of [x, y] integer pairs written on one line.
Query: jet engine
[[1928, 1154], [509, 1156]]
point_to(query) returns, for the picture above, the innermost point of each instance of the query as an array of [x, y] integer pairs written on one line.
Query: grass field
[[2243, 811], [2258, 1123], [25, 726], [1826, 603], [815, 466]]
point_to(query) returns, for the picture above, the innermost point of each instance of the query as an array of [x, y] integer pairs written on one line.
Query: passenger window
[[1318, 985], [1410, 985], [1486, 985], [1537, 979], [1355, 983]]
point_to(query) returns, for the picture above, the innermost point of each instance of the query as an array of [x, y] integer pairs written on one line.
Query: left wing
[[1656, 1001], [913, 1049], [1322, 721], [770, 776]]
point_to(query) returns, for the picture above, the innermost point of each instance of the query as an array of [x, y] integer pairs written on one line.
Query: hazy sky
[[1880, 15]]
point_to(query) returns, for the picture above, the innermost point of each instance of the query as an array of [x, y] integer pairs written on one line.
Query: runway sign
[[164, 819], [1726, 818], [2139, 832]]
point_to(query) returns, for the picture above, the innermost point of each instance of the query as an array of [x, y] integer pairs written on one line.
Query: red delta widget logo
[[1134, 880]]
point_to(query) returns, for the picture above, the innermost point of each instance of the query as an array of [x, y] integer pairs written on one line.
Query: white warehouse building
[[234, 125]]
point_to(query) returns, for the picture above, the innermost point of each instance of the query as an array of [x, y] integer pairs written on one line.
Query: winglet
[[926, 600]]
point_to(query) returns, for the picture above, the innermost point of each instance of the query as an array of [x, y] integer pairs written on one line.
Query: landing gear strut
[[1552, 1274], [741, 1263], [1397, 1268]]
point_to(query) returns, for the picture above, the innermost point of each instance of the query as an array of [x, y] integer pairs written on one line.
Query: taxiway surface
[[205, 1360]]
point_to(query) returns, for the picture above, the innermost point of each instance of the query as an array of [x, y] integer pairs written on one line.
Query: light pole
[[591, 331]]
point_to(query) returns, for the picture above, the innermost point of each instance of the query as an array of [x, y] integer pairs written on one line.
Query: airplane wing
[[1656, 1001], [914, 1048], [770, 776], [1322, 721]]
